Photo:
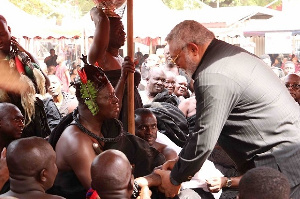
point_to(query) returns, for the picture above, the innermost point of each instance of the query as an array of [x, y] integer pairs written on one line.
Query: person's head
[[264, 182], [138, 55], [145, 125], [180, 85], [32, 158], [266, 58], [55, 85], [51, 70], [52, 52], [5, 36], [155, 81], [74, 71], [188, 41], [95, 92], [292, 82], [11, 122], [117, 35], [289, 67], [167, 56], [170, 82], [112, 175], [294, 59]]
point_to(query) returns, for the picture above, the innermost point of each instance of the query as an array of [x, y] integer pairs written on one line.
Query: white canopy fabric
[[25, 25]]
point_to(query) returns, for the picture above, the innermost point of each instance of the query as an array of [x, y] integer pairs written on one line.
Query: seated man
[[292, 83], [156, 79], [92, 129], [170, 82], [11, 127], [32, 168], [181, 85], [64, 102], [146, 128], [115, 180], [264, 182]]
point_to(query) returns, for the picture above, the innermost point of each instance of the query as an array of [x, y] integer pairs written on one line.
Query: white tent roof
[[26, 25], [154, 19]]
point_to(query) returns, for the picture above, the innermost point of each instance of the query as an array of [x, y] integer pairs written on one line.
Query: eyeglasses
[[177, 56], [293, 86]]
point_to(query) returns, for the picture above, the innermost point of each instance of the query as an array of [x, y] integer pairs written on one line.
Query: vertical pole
[[130, 80]]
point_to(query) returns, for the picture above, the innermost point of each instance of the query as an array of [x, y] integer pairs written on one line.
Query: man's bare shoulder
[[31, 196], [72, 138], [110, 62]]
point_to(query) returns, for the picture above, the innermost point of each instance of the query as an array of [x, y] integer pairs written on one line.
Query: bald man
[[181, 85], [32, 168], [155, 84], [292, 83], [112, 175], [170, 82], [11, 127]]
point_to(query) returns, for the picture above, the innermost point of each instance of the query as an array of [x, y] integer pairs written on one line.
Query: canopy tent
[[280, 23], [154, 20], [29, 26]]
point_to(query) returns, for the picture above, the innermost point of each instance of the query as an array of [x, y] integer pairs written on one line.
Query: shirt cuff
[[174, 182]]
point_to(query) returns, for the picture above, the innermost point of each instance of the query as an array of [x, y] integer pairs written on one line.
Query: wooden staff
[[130, 80]]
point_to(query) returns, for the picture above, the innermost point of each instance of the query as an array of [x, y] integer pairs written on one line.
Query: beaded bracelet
[[136, 190]]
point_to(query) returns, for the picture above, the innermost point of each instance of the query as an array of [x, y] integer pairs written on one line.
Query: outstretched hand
[[145, 193], [168, 165], [167, 187], [215, 184]]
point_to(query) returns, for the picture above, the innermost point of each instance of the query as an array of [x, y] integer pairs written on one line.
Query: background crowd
[[63, 137]]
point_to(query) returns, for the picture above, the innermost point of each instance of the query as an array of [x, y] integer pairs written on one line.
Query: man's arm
[[101, 35], [216, 96]]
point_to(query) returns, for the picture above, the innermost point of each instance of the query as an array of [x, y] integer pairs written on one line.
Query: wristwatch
[[228, 182]]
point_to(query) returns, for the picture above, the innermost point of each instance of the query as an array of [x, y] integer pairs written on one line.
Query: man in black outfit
[[241, 104]]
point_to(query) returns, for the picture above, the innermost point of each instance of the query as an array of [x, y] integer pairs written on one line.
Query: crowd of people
[[212, 121]]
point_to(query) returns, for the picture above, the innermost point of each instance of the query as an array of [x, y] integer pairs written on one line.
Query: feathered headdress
[[92, 79]]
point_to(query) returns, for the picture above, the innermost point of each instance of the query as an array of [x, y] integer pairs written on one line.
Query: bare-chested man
[[92, 129], [112, 176], [109, 37], [146, 128], [32, 168]]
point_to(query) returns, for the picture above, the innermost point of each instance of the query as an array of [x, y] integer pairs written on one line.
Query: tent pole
[[130, 80]]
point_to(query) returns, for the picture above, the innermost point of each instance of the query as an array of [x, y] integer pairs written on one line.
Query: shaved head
[[29, 156], [111, 172]]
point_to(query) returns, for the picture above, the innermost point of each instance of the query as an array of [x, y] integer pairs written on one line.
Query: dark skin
[[116, 168], [7, 39], [293, 79], [27, 181], [73, 139], [11, 127], [146, 128], [109, 37]]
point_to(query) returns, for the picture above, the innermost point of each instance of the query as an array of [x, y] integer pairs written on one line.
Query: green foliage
[[55, 8], [89, 94]]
